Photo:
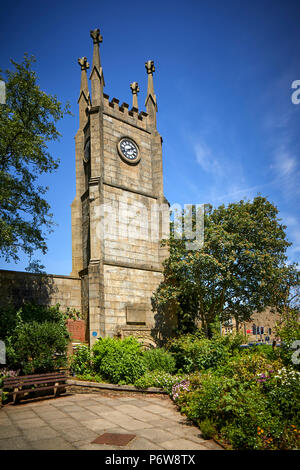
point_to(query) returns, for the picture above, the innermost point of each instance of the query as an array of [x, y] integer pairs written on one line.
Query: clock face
[[129, 150]]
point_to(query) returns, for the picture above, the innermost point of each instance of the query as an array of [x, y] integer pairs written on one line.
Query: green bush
[[208, 429], [145, 381], [283, 391], [192, 354], [118, 360], [247, 409], [10, 316], [289, 332], [35, 337], [247, 364], [159, 359], [37, 347], [201, 401], [90, 377], [232, 341], [80, 362], [158, 379]]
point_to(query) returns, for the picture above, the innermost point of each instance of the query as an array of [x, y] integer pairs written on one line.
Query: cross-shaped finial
[[83, 63], [150, 66], [96, 36], [134, 88]]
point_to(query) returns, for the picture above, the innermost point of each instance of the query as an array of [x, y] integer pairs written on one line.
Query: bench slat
[[37, 376], [33, 382], [22, 392], [17, 387], [33, 378]]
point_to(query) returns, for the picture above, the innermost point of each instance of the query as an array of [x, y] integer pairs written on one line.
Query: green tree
[[27, 123], [241, 267], [37, 347]]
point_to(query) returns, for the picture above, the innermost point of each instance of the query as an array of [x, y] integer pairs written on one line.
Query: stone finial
[[96, 76], [84, 96], [150, 103], [135, 90], [150, 90], [96, 36], [84, 65], [134, 87], [150, 66]]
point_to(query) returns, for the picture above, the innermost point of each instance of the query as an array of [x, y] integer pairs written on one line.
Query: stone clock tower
[[119, 214]]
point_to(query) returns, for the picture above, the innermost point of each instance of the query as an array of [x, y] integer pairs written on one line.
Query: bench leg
[[56, 389], [16, 397]]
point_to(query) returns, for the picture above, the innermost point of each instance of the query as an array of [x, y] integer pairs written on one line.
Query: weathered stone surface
[[124, 414], [116, 237], [21, 287]]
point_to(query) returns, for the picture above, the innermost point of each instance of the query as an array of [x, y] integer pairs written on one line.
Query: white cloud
[[286, 169], [228, 181], [293, 233], [206, 160], [280, 123]]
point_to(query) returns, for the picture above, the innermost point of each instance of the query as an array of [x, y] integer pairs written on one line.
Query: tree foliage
[[35, 337], [240, 268], [27, 123]]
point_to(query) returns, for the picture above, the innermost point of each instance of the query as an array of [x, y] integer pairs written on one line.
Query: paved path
[[74, 421]]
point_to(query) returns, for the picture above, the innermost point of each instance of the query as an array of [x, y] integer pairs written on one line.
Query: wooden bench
[[18, 387]]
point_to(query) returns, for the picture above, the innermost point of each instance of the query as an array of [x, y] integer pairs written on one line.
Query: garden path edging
[[115, 387]]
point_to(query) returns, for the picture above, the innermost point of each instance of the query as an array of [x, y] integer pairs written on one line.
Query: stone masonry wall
[[130, 236], [136, 177], [20, 287], [125, 287]]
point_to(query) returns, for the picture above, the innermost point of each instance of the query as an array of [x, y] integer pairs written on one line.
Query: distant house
[[261, 328]]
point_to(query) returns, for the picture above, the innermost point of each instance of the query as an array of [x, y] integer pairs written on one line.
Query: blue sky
[[224, 70]]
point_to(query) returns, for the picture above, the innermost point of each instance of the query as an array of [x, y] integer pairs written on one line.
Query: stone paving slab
[[73, 421]]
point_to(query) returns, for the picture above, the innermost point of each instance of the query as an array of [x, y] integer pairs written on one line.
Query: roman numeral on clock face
[[128, 149]]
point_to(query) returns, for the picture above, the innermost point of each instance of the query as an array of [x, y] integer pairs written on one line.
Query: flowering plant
[[184, 385], [287, 376]]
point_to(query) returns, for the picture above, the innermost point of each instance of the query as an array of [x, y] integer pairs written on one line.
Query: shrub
[[247, 364], [178, 388], [192, 353], [208, 429], [10, 316], [37, 347], [232, 341], [4, 373], [159, 359], [90, 377], [118, 360], [282, 390], [147, 380], [158, 379], [247, 409], [201, 402], [80, 362], [289, 332]]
